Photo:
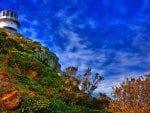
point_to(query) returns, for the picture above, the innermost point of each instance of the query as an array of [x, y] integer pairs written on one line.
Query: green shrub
[[27, 61], [34, 105], [37, 88], [3, 35], [24, 59], [80, 109], [8, 44], [1, 89], [47, 77], [58, 106], [26, 80], [46, 80], [40, 105], [2, 56], [1, 110], [1, 65]]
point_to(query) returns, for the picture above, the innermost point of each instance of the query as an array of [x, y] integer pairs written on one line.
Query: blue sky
[[110, 36]]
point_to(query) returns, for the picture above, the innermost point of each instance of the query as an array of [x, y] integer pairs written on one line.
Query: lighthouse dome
[[9, 20]]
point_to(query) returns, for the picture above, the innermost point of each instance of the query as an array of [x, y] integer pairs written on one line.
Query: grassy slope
[[42, 90]]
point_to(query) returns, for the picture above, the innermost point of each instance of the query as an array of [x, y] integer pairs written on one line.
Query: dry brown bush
[[132, 96]]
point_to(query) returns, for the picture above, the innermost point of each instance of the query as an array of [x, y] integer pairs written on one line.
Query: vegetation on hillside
[[31, 80]]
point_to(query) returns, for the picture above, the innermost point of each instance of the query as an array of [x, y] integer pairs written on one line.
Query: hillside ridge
[[31, 80]]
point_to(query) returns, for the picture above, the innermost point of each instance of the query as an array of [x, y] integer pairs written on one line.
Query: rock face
[[48, 58], [9, 98]]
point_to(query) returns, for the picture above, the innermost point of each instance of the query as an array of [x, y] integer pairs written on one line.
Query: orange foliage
[[132, 96], [10, 99]]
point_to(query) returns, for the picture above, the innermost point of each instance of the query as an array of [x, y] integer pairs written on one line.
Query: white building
[[9, 20]]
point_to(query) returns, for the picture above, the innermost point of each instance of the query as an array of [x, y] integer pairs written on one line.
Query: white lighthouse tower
[[9, 20]]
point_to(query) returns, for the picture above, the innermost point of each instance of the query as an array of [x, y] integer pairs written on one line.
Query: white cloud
[[78, 53], [77, 49], [107, 85], [23, 18], [35, 22]]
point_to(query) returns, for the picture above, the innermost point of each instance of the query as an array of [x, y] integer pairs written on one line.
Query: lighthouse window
[[11, 14], [7, 13], [4, 14], [15, 15]]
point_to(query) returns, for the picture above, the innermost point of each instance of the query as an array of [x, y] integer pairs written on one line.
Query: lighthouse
[[9, 20]]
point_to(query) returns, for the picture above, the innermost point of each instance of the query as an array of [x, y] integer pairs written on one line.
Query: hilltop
[[31, 80]]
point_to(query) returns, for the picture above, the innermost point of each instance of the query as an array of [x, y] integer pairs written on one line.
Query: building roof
[[7, 10]]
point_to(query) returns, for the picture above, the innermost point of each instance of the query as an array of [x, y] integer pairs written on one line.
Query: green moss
[[1, 65], [1, 89], [53, 105], [24, 89], [26, 80], [37, 88]]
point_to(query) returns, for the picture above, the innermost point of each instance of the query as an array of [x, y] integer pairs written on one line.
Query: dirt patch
[[4, 80], [32, 94], [9, 99], [31, 73]]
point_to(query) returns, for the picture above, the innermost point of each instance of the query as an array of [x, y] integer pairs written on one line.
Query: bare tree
[[90, 84], [86, 84]]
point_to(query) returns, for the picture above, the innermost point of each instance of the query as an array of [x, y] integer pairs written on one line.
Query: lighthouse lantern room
[[9, 20]]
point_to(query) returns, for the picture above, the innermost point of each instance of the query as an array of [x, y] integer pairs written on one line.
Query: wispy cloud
[[76, 46], [112, 37], [114, 64]]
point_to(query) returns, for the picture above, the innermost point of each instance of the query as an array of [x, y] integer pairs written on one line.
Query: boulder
[[10, 100]]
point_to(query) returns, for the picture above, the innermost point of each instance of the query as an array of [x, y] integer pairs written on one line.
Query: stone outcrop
[[48, 58]]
